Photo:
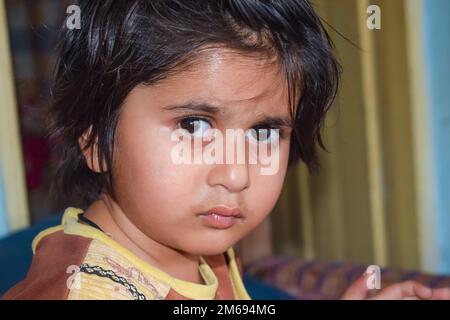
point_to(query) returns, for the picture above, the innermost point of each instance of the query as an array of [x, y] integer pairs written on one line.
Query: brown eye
[[195, 126], [262, 135]]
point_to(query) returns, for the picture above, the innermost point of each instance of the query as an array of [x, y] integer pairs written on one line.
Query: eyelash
[[193, 118], [282, 133]]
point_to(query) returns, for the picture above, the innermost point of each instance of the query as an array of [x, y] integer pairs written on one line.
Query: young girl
[[126, 81]]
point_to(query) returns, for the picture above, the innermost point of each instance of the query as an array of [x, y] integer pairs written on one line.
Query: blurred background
[[382, 195]]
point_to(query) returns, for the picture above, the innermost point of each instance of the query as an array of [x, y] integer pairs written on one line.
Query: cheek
[[145, 176], [264, 195], [266, 189]]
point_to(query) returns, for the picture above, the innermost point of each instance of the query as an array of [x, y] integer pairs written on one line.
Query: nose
[[233, 177]]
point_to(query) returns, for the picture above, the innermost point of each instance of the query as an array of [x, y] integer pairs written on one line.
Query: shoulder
[[56, 253]]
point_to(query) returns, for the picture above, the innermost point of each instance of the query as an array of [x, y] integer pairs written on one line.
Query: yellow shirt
[[77, 261]]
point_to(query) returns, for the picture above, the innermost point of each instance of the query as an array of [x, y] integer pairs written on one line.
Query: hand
[[398, 291]]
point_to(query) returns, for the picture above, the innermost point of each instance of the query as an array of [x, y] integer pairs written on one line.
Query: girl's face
[[167, 201]]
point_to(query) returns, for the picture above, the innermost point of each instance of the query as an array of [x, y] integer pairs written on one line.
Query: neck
[[112, 220]]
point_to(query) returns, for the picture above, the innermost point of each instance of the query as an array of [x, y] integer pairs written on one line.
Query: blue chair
[[16, 253]]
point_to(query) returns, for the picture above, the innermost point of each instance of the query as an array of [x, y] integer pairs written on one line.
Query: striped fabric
[[327, 280], [33, 26]]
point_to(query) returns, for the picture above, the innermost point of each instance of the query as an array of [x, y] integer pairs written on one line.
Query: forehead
[[228, 79]]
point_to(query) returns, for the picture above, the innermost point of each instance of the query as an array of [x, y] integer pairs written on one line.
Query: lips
[[221, 217], [225, 211]]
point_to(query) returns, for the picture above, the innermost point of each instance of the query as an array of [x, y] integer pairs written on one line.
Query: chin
[[209, 249]]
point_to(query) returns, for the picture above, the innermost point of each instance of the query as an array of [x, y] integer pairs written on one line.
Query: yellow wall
[[363, 204], [11, 162]]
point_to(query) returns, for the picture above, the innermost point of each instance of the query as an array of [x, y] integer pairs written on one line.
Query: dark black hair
[[122, 44]]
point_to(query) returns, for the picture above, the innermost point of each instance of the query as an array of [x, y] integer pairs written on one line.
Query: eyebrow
[[201, 106], [198, 106], [273, 122]]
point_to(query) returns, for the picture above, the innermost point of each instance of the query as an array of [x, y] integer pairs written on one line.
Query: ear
[[90, 153]]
